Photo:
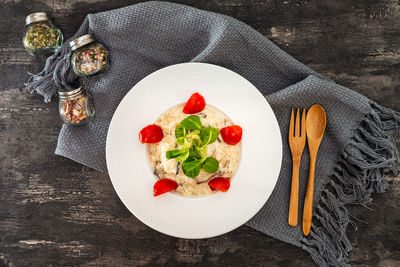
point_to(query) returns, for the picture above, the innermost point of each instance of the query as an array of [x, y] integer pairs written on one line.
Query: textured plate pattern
[[196, 217]]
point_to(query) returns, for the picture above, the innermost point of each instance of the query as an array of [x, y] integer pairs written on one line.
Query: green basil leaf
[[191, 168], [180, 141], [173, 153], [180, 131], [195, 142], [190, 158], [195, 153], [192, 122], [183, 156], [210, 165], [208, 135]]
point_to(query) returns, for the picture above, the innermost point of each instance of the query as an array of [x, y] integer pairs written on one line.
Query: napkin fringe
[[358, 174], [56, 75]]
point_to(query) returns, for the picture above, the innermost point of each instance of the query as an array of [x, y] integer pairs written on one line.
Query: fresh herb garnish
[[180, 131], [210, 165], [173, 153], [208, 135], [183, 156], [192, 123], [195, 153], [191, 168], [194, 139], [180, 141]]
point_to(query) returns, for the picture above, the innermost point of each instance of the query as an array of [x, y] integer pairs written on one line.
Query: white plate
[[205, 216]]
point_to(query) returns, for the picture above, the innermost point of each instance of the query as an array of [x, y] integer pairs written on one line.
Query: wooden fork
[[297, 140]]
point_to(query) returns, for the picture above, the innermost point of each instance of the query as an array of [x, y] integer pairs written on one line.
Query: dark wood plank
[[56, 212]]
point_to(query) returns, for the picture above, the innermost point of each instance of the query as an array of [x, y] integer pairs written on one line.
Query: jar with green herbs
[[41, 36], [75, 107], [89, 57]]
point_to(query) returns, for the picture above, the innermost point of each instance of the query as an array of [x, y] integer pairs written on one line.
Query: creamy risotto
[[227, 155]]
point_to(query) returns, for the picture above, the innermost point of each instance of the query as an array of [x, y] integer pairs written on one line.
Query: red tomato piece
[[163, 186], [220, 183], [195, 104], [151, 134], [232, 134]]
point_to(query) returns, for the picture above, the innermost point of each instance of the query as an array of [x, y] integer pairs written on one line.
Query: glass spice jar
[[89, 57], [41, 36], [75, 107]]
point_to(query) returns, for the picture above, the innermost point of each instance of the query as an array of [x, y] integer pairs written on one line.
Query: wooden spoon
[[315, 127]]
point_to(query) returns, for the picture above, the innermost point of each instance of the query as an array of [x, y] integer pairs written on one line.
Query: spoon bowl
[[316, 122], [315, 127]]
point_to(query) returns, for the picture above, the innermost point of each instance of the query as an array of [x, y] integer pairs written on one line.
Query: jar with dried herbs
[[76, 107], [89, 57], [41, 36]]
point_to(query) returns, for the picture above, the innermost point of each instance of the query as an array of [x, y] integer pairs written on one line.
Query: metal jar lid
[[69, 95], [81, 41], [35, 17]]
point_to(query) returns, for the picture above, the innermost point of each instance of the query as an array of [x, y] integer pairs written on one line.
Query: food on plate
[[190, 151], [163, 186], [195, 104], [220, 183], [151, 134], [194, 139], [232, 134]]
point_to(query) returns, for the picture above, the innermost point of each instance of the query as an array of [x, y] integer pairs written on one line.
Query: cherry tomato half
[[163, 186], [220, 183], [232, 134], [151, 134], [195, 104]]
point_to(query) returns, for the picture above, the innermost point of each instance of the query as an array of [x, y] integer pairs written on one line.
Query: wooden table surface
[[57, 212]]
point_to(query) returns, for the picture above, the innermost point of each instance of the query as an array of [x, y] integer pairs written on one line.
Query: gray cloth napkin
[[145, 37]]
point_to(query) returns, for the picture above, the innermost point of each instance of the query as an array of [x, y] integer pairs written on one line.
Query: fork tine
[[297, 127], [291, 125], [303, 123]]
